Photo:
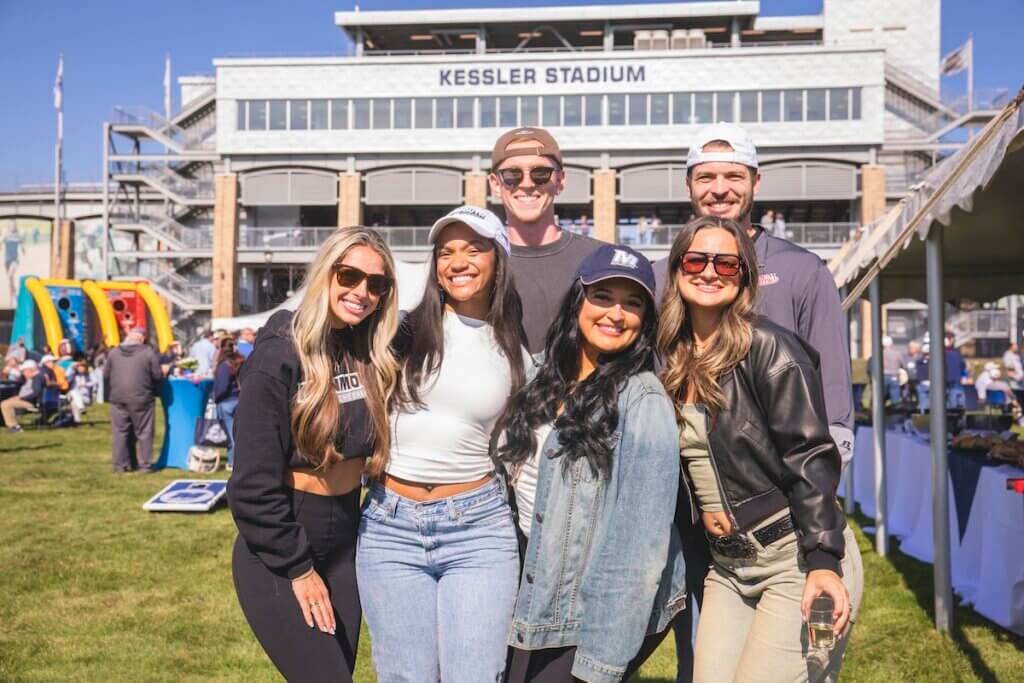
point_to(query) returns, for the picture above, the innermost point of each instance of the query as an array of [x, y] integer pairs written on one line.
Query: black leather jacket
[[770, 444]]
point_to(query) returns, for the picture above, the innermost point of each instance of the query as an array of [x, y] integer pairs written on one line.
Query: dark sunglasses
[[513, 177], [350, 277], [726, 265]]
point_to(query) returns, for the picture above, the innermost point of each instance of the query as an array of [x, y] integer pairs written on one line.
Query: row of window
[[509, 111]]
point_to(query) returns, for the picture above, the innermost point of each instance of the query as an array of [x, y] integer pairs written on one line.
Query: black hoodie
[[258, 494]]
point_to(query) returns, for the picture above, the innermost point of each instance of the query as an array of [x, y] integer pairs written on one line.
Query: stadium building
[[222, 205]]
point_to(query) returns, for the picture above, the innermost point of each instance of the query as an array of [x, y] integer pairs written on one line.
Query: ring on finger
[[314, 604]]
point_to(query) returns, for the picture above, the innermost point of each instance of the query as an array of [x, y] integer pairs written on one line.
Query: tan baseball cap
[[545, 145]]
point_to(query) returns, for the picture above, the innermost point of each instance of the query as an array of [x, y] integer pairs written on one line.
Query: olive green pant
[[751, 628]]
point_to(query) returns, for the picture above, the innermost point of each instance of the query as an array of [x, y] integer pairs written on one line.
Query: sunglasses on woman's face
[[726, 265], [350, 277], [513, 177]]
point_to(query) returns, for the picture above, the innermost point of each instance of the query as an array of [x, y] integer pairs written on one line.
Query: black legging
[[299, 652], [554, 665]]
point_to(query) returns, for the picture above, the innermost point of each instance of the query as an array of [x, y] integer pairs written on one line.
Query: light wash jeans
[[438, 581], [226, 412]]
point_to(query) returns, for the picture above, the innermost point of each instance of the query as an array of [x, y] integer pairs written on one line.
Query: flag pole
[[970, 73], [58, 103]]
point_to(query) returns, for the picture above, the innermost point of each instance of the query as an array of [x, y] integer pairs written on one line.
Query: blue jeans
[[438, 583], [226, 412]]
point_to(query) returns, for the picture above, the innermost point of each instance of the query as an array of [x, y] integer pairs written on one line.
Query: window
[[258, 115], [594, 114], [771, 105], [703, 107], [318, 114], [793, 105], [659, 109], [278, 114], [816, 104], [381, 113], [243, 110], [339, 114], [299, 117], [839, 104], [552, 110], [424, 112], [361, 114], [855, 97], [724, 106], [444, 112], [464, 115], [681, 107], [507, 112], [488, 112], [572, 110], [403, 112], [748, 107], [616, 110], [528, 111], [638, 110]]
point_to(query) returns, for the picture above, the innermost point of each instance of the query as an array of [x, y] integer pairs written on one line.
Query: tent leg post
[[940, 458], [878, 419]]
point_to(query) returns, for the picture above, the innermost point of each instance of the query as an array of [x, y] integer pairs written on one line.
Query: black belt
[[738, 546]]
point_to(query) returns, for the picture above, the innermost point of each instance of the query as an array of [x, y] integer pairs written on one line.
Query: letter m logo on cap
[[624, 259]]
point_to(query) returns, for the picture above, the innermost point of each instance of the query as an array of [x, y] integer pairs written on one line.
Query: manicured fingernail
[[331, 631]]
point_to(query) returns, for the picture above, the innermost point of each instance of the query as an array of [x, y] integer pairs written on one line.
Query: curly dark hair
[[590, 408]]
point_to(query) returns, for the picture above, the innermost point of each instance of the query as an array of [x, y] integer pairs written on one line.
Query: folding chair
[[49, 405]]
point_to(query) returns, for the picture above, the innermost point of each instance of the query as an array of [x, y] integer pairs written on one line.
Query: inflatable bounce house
[[86, 313]]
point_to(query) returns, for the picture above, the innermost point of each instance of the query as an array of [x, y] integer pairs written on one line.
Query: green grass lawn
[[95, 589]]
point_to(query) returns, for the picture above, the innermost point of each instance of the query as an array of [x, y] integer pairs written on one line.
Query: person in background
[[780, 226], [892, 361], [990, 379], [80, 388], [909, 361], [956, 370], [53, 373], [133, 373], [170, 357], [761, 466], [65, 353], [312, 408], [97, 358], [767, 222], [204, 351], [12, 370], [225, 346], [18, 351], [246, 339], [28, 396], [225, 394], [1013, 365]]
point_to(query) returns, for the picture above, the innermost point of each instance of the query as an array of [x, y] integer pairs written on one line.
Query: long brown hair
[[684, 368], [316, 412]]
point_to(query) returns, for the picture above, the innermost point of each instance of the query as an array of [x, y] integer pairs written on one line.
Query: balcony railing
[[311, 237], [588, 48], [807, 234]]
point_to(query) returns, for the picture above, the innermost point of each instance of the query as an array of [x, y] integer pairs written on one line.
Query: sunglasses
[[350, 277], [726, 265], [513, 177]]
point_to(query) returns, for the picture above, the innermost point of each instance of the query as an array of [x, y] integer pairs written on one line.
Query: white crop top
[[446, 441]]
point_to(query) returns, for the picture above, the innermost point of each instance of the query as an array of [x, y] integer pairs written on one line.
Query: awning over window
[[426, 186], [283, 187]]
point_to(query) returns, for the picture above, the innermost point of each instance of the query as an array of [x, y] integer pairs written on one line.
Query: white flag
[[58, 86], [957, 60], [167, 86]]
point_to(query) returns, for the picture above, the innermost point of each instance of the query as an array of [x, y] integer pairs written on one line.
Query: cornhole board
[[188, 495]]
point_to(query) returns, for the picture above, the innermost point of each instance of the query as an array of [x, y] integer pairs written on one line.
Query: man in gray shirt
[[527, 173], [133, 374]]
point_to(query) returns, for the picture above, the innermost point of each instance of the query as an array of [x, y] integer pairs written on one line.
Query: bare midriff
[[420, 491], [338, 479]]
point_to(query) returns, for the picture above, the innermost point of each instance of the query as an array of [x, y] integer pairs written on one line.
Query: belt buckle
[[736, 546]]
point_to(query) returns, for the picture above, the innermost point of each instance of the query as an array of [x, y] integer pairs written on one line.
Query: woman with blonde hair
[[760, 465], [312, 408]]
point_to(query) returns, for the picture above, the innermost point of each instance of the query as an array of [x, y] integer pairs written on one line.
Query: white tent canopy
[[412, 278]]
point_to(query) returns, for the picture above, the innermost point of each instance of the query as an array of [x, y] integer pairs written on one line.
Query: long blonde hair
[[683, 367], [316, 412]]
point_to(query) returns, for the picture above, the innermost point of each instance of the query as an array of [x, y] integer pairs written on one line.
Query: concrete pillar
[[872, 207], [350, 199], [62, 250], [605, 209], [475, 193], [225, 245]]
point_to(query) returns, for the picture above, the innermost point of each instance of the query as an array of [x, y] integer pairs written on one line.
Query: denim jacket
[[604, 565]]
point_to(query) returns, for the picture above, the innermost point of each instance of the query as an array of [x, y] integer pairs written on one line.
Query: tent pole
[[878, 419], [940, 463], [849, 506]]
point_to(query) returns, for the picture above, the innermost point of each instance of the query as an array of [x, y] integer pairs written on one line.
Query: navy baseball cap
[[616, 260]]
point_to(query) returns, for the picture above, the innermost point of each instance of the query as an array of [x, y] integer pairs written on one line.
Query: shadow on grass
[[920, 580], [37, 447]]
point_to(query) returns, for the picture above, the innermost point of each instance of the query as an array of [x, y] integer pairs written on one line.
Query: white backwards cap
[[743, 150]]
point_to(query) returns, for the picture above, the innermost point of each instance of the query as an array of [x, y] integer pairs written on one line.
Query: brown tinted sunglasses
[[726, 265], [350, 277], [513, 177]]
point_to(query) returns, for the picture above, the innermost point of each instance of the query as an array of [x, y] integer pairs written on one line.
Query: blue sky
[[114, 53]]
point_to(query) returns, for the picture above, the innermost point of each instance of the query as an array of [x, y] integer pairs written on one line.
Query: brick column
[[475, 193], [62, 250], [872, 207], [350, 199], [605, 208], [225, 245]]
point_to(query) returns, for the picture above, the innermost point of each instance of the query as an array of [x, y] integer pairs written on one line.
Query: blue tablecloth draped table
[[183, 401], [986, 520]]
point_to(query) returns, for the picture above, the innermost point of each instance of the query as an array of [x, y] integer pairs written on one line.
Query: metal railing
[[980, 324], [808, 234], [311, 237], [189, 139], [164, 179], [167, 229], [587, 48]]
